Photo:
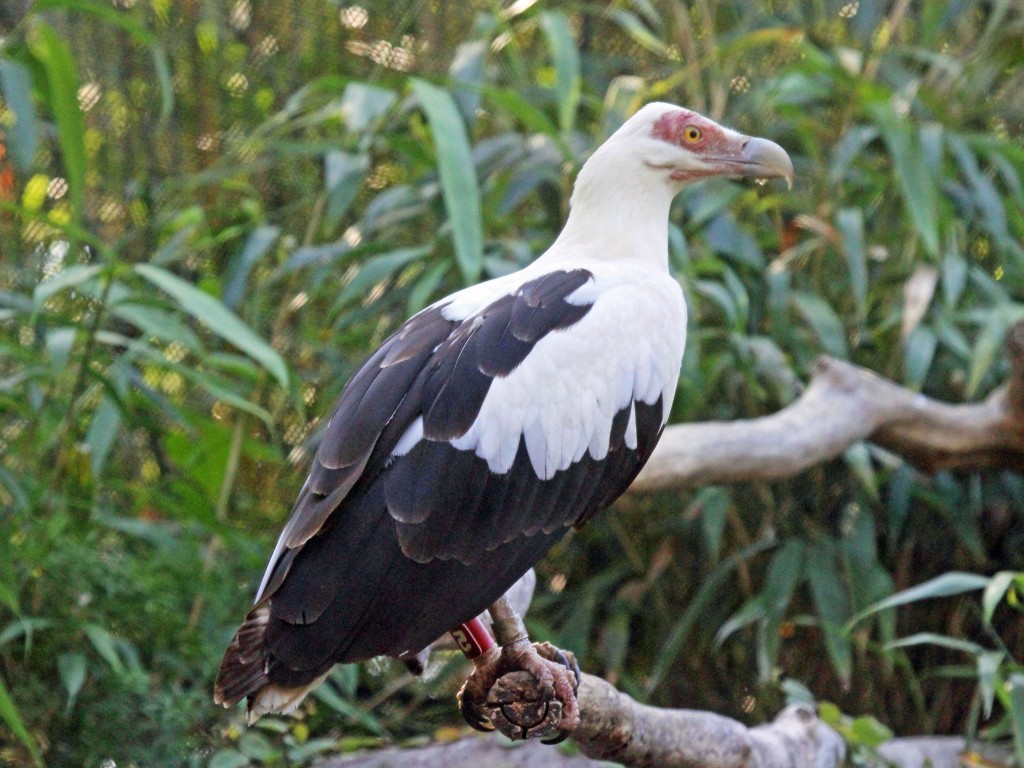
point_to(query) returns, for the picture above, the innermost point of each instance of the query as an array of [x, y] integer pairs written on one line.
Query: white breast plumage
[[563, 396]]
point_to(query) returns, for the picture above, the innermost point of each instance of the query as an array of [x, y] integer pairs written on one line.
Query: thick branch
[[843, 405], [615, 727]]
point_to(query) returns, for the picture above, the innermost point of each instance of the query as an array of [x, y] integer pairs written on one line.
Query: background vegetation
[[209, 212]]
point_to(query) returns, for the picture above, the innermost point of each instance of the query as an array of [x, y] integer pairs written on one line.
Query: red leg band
[[472, 638]]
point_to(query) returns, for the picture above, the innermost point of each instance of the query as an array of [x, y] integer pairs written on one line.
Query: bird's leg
[[556, 672], [478, 646]]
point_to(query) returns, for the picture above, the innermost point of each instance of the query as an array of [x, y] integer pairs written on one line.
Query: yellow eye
[[691, 133]]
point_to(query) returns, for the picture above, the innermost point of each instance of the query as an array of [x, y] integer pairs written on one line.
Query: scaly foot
[[556, 672]]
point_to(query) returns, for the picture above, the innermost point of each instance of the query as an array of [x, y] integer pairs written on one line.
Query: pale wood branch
[[616, 728], [845, 404]]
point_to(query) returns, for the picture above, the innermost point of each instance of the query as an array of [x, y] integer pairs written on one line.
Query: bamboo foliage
[[202, 235]]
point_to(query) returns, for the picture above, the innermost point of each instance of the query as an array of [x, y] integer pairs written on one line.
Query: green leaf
[[10, 715], [752, 610], [256, 746], [636, 29], [105, 646], [915, 176], [256, 245], [858, 458], [458, 175], [376, 269], [343, 175], [228, 758], [218, 318], [783, 575], [72, 668], [996, 590], [832, 604], [954, 274], [515, 105], [825, 323], [850, 223], [565, 53], [59, 342], [946, 585], [918, 354], [61, 88], [986, 196], [796, 692], [988, 672], [868, 731], [350, 710], [986, 349], [9, 597], [72, 276], [1016, 689], [362, 105], [942, 641], [162, 67], [467, 70], [23, 136], [676, 640], [105, 425], [712, 504], [152, 321], [103, 11], [24, 627]]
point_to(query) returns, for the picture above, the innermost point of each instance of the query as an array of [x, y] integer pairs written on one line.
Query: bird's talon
[[558, 738], [566, 658], [469, 706]]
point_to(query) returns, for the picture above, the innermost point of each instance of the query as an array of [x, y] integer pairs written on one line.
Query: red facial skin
[[713, 143]]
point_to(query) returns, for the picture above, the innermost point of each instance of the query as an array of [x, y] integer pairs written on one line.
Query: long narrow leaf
[[10, 715], [996, 590], [57, 62], [567, 65], [832, 603], [676, 640], [69, 278], [218, 318], [942, 641], [946, 585], [458, 176], [23, 136], [916, 178], [850, 223], [1016, 688]]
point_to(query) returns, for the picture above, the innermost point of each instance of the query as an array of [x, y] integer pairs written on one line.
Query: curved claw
[[470, 710], [567, 660], [558, 738]]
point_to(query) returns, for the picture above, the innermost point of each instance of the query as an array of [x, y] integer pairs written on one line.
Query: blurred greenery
[[209, 212]]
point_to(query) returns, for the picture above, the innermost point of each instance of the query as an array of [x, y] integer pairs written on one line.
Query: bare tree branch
[[843, 405], [614, 727]]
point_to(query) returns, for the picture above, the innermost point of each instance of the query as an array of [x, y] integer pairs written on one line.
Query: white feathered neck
[[619, 207]]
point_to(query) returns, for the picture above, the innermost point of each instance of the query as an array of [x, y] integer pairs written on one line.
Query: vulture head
[[682, 146], [628, 183]]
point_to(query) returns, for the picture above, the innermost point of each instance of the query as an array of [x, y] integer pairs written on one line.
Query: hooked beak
[[763, 159]]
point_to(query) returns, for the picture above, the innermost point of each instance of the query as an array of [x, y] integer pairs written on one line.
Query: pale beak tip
[[766, 158]]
